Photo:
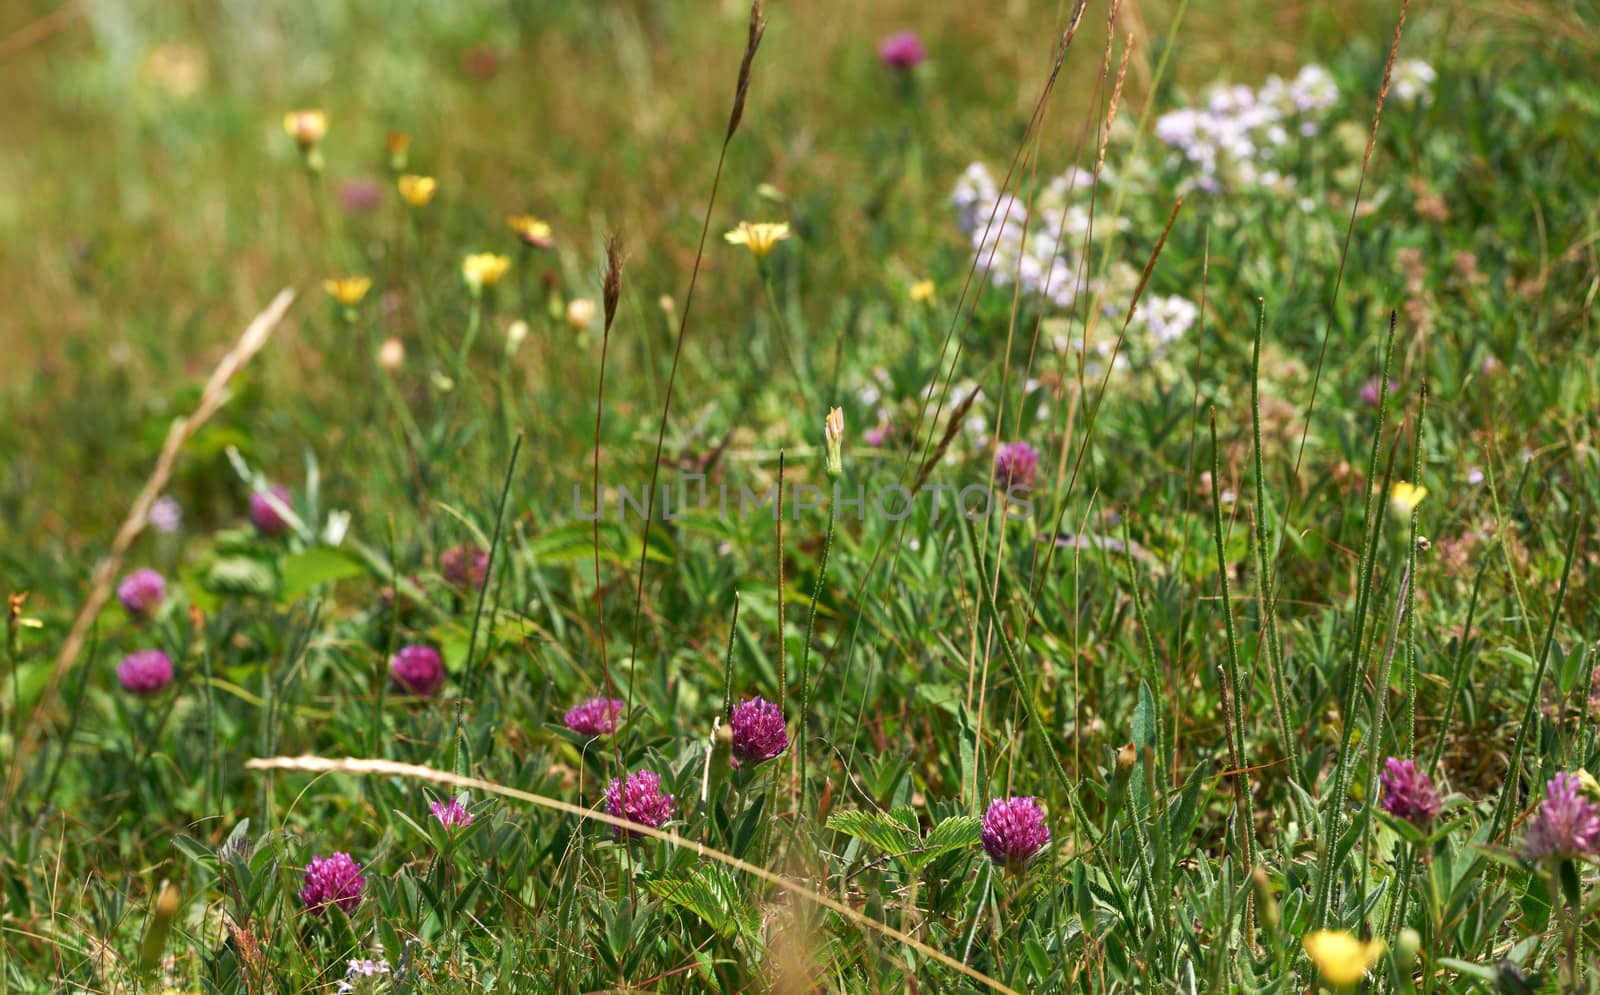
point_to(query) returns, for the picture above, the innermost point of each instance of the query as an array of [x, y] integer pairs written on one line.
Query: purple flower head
[[417, 670], [876, 436], [145, 672], [1373, 387], [465, 565], [639, 799], [142, 592], [360, 195], [1014, 831], [1566, 825], [758, 731], [595, 717], [1408, 793], [333, 880], [452, 814], [903, 51], [264, 516], [1015, 465]]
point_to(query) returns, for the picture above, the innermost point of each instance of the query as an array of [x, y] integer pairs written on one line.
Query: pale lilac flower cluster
[[1035, 249], [363, 977], [1234, 140], [1412, 82], [1164, 319], [166, 515]]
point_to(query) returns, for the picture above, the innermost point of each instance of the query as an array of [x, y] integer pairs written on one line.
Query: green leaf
[[241, 575], [875, 829], [300, 572], [711, 894]]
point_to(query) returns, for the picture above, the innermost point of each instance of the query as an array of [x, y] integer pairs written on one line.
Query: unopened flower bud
[[833, 438]]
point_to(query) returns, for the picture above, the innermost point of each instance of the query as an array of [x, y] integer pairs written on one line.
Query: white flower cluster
[[1038, 249], [1412, 82], [1235, 141]]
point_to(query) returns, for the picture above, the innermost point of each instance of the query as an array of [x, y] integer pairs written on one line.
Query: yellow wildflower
[[306, 127], [418, 190], [531, 230], [922, 291], [347, 290], [833, 443], [1341, 959], [759, 238], [484, 269], [1404, 497]]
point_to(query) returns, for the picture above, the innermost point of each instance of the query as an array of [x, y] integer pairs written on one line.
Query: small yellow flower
[[418, 190], [306, 127], [759, 238], [347, 290], [484, 269], [1341, 959], [580, 313], [531, 230], [922, 291], [1404, 497]]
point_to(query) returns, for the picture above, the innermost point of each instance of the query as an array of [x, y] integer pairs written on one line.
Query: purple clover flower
[[417, 670], [758, 731], [264, 516], [1016, 465], [452, 814], [465, 566], [360, 195], [902, 51], [1014, 831], [142, 592], [1566, 825], [639, 799], [332, 880], [1408, 793], [1373, 389], [145, 672], [595, 717]]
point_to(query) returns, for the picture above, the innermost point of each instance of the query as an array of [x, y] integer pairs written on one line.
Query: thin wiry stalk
[[613, 292], [1230, 667], [1333, 807], [1503, 806], [758, 26], [1260, 525], [805, 654]]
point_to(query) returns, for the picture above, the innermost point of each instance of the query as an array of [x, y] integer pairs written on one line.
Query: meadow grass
[[1070, 499]]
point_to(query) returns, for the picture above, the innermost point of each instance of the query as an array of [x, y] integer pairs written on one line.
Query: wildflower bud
[[1126, 758], [391, 355], [162, 913], [668, 305], [1406, 946], [720, 761], [580, 313], [1266, 901], [306, 127], [399, 143], [515, 336], [833, 438], [1588, 787]]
